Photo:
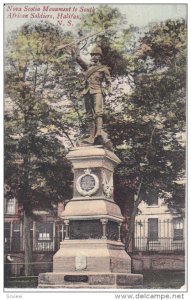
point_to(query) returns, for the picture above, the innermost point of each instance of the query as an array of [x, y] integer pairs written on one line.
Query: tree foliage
[[36, 129], [33, 125], [151, 123], [107, 21]]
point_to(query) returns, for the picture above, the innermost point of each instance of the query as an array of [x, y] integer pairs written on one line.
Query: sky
[[141, 15]]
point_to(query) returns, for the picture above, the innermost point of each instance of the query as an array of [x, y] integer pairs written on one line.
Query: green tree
[[146, 133], [36, 129], [108, 21]]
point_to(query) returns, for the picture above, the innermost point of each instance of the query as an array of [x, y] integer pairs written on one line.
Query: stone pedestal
[[92, 254]]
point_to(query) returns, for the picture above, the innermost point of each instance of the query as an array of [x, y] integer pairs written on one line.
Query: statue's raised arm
[[76, 55]]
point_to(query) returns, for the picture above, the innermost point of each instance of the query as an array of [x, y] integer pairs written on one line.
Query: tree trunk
[[130, 235], [27, 245], [137, 201]]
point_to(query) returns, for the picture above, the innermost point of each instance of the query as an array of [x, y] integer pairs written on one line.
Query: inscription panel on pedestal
[[85, 229], [76, 278]]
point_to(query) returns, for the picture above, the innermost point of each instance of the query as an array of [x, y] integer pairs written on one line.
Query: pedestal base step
[[90, 280]]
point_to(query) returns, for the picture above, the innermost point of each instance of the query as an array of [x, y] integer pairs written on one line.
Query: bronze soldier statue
[[97, 84]]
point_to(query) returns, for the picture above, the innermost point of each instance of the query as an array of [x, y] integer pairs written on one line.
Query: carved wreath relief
[[87, 184]]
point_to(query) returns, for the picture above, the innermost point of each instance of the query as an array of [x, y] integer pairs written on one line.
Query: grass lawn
[[21, 282], [163, 280], [151, 280]]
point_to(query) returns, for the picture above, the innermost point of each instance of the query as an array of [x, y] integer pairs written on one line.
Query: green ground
[[21, 282], [154, 280], [163, 280]]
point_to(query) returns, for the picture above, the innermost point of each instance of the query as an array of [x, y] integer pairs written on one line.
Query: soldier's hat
[[97, 50]]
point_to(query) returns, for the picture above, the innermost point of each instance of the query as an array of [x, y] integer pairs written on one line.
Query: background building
[[158, 242], [157, 229], [159, 237], [46, 233]]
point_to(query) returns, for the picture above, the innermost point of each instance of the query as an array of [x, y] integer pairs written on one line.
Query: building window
[[44, 237], [178, 234], [12, 236], [10, 206], [16, 237], [7, 234], [153, 229]]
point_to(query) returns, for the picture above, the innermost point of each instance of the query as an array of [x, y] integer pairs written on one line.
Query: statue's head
[[96, 54]]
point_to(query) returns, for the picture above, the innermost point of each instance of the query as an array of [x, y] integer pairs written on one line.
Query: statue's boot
[[101, 137], [100, 133], [90, 139], [99, 127]]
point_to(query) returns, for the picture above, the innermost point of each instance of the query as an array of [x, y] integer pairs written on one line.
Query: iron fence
[[159, 235]]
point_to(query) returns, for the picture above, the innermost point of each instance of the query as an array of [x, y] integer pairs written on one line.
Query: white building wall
[[165, 228]]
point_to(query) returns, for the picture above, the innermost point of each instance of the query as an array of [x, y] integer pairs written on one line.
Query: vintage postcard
[[95, 148]]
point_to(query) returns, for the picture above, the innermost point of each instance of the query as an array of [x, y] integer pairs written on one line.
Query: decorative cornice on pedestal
[[94, 152], [92, 209], [93, 217], [91, 198]]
